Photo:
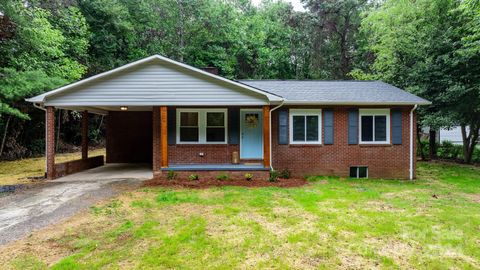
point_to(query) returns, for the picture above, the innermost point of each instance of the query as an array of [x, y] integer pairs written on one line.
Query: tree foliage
[[432, 49]]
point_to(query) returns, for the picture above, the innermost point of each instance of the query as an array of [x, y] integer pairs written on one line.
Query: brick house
[[177, 117]]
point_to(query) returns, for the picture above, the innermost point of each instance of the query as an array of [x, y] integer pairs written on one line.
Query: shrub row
[[448, 150]]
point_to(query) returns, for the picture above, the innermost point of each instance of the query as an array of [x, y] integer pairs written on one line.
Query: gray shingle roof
[[336, 92]]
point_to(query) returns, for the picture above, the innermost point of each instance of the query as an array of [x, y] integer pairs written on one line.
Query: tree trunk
[[469, 142], [432, 143], [5, 135], [181, 29], [419, 141]]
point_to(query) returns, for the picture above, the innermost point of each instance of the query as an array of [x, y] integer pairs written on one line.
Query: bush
[[193, 177], [248, 176], [448, 150], [222, 177], [273, 176], [171, 175], [285, 174]]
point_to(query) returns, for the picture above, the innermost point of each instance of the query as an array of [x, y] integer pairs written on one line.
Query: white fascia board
[[193, 103], [41, 98]]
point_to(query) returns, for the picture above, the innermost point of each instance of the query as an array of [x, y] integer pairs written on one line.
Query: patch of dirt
[[400, 252], [353, 261], [473, 197], [382, 206], [206, 183]]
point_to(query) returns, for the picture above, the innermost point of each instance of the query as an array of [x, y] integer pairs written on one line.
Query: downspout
[[270, 130], [411, 141]]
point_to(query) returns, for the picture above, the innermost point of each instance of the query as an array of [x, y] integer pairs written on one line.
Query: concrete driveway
[[31, 209]]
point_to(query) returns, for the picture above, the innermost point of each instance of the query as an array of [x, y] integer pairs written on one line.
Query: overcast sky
[[297, 5]]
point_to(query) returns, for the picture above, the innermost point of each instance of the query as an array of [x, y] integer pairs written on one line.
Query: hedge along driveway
[[432, 223]]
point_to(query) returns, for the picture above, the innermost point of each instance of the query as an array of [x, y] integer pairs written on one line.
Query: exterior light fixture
[[124, 108]]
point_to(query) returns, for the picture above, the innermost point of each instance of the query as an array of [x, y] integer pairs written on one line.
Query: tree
[[334, 36], [421, 46]]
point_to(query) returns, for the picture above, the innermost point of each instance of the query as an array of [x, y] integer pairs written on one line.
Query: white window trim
[[305, 112], [202, 125], [374, 112]]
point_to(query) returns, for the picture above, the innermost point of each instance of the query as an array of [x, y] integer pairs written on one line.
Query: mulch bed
[[206, 183]]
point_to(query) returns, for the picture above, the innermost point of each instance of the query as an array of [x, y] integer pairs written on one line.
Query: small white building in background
[[453, 135]]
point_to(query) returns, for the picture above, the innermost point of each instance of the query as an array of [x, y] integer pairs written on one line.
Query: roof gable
[[155, 81]]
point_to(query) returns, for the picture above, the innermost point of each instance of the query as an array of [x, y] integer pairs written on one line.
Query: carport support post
[[163, 135], [266, 136], [156, 139], [85, 135], [50, 141]]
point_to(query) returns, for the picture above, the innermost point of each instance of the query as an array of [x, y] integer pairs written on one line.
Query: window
[[305, 126], [359, 172], [201, 126], [189, 126], [374, 126]]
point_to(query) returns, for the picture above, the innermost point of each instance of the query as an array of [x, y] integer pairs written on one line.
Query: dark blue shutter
[[353, 126], [397, 126], [328, 126], [233, 125], [171, 116], [283, 127]]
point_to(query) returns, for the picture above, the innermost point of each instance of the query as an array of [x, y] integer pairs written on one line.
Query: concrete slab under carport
[[111, 172]]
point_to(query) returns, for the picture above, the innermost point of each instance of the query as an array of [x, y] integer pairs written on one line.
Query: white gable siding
[[157, 83]]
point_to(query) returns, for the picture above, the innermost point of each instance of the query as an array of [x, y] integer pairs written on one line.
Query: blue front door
[[251, 139]]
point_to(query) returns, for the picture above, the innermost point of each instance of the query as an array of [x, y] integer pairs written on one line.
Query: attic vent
[[212, 70]]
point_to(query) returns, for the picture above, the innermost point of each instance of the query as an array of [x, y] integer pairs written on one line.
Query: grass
[[18, 171], [431, 223]]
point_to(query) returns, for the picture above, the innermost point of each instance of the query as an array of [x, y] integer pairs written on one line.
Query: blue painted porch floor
[[215, 167]]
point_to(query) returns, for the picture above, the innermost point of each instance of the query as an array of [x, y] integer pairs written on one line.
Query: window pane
[[188, 134], [215, 119], [189, 119], [298, 128], [312, 128], [215, 134], [353, 172], [367, 128], [380, 128], [362, 172]]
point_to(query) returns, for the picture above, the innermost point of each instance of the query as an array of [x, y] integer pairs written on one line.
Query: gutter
[[270, 130], [411, 141], [39, 106]]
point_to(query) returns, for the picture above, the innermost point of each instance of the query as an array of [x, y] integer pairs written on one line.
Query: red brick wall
[[189, 153], [79, 165], [129, 137], [383, 161], [50, 142]]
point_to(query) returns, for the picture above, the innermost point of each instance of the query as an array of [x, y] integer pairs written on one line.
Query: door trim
[[241, 129]]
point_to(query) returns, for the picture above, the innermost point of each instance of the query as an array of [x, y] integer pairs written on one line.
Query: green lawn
[[431, 223], [18, 171]]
